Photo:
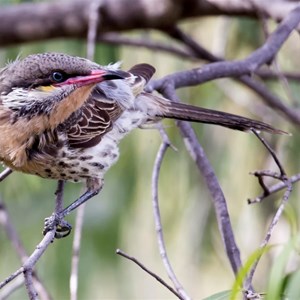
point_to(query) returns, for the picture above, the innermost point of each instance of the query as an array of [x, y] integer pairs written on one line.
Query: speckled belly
[[80, 164]]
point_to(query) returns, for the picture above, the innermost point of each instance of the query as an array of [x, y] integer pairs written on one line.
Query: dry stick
[[27, 267], [43, 245], [10, 289], [268, 74], [157, 218], [94, 14], [273, 154], [31, 261], [283, 80], [213, 71], [279, 211], [76, 251], [118, 39], [269, 98], [91, 42], [159, 279], [11, 232], [241, 68], [5, 173], [6, 222], [273, 189], [198, 155]]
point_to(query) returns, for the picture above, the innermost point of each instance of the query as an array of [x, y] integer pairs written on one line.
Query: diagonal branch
[[240, 69], [198, 155]]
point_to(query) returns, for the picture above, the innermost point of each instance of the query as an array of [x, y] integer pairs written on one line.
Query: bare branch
[[94, 18], [268, 74], [157, 218], [256, 59], [159, 279], [282, 176], [277, 11], [117, 39], [274, 188], [241, 69], [10, 289], [271, 229], [75, 252], [27, 22], [11, 277], [5, 173], [198, 155], [7, 223], [273, 154]]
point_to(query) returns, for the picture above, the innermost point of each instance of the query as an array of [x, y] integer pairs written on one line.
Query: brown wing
[[99, 112], [96, 118], [142, 74], [145, 71]]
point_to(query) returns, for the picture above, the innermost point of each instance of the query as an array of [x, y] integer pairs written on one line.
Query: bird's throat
[[64, 108]]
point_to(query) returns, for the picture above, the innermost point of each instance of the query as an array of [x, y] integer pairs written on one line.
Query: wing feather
[[96, 119]]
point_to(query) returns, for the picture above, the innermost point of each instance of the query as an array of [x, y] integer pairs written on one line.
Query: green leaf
[[224, 295]]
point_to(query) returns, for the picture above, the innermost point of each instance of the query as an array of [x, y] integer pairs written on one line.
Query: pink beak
[[94, 77]]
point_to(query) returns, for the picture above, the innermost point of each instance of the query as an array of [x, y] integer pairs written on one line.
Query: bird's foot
[[62, 227]]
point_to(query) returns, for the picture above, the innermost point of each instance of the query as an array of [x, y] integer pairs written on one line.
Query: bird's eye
[[58, 76]]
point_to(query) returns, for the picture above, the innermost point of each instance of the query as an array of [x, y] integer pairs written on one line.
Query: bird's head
[[50, 84]]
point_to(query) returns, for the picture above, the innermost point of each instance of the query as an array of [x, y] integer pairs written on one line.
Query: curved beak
[[94, 77]]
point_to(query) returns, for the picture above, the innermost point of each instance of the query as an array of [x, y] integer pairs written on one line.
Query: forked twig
[[273, 189], [28, 266], [6, 222], [287, 182]]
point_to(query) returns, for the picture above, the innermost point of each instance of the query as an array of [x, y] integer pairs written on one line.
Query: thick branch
[[69, 19]]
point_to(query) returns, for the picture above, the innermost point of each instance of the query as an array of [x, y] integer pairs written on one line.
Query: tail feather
[[186, 112]]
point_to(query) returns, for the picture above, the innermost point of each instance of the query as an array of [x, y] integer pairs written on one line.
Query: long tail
[[186, 112]]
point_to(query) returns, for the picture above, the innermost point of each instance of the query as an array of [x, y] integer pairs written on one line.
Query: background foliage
[[121, 216]]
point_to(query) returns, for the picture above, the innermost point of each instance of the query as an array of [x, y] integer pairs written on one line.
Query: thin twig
[[31, 261], [272, 152], [28, 266], [11, 277], [239, 69], [117, 39], [274, 188], [10, 289], [282, 79], [268, 74], [157, 218], [159, 279], [198, 155], [11, 232], [94, 15], [76, 251], [5, 173], [280, 209], [94, 19], [271, 229]]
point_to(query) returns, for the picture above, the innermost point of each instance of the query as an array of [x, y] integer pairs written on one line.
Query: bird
[[62, 117]]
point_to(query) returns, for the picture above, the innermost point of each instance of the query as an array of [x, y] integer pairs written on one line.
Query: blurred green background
[[121, 216]]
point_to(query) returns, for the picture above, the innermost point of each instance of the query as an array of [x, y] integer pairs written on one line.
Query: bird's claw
[[62, 227]]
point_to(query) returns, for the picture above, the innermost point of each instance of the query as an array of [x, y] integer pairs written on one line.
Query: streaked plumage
[[62, 117]]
